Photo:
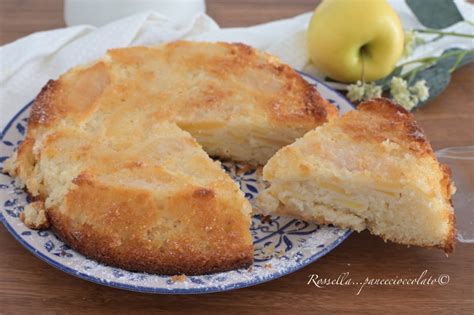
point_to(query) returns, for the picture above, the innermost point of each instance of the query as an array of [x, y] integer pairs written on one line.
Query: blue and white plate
[[282, 245]]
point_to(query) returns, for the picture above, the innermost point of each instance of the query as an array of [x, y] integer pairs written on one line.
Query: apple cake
[[117, 152], [371, 169]]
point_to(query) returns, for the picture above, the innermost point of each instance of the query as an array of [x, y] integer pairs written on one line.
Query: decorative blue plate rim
[[304, 74], [174, 291], [159, 290]]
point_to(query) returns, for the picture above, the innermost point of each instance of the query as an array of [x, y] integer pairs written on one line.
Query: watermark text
[[344, 279]]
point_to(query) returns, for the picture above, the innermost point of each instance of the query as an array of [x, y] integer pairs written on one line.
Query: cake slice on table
[[373, 169]]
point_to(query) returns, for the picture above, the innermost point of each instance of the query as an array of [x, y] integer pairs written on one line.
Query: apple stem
[[432, 31], [362, 72]]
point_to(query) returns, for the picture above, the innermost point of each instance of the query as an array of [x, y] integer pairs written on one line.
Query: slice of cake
[[371, 169]]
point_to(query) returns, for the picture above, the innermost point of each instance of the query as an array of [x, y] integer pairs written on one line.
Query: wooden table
[[27, 284]]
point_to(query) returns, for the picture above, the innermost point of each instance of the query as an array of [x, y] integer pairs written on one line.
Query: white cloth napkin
[[28, 63]]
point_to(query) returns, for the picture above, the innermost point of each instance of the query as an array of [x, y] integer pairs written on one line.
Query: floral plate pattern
[[282, 245]]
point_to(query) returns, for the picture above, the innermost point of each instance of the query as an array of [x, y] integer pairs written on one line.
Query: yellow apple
[[348, 38]]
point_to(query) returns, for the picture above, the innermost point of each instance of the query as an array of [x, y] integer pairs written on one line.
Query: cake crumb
[[179, 278], [243, 168], [268, 250], [34, 216], [266, 218], [268, 266], [280, 253]]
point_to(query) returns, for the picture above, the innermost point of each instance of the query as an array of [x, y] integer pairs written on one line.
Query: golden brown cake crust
[[96, 247], [130, 229], [294, 101], [213, 83], [43, 109], [163, 207], [73, 94], [404, 130], [448, 191], [390, 121]]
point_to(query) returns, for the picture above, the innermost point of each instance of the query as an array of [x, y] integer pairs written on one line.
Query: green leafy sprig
[[415, 82]]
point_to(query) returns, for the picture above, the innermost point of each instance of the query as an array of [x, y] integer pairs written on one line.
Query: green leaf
[[437, 79], [385, 82], [435, 13], [449, 62], [438, 76]]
